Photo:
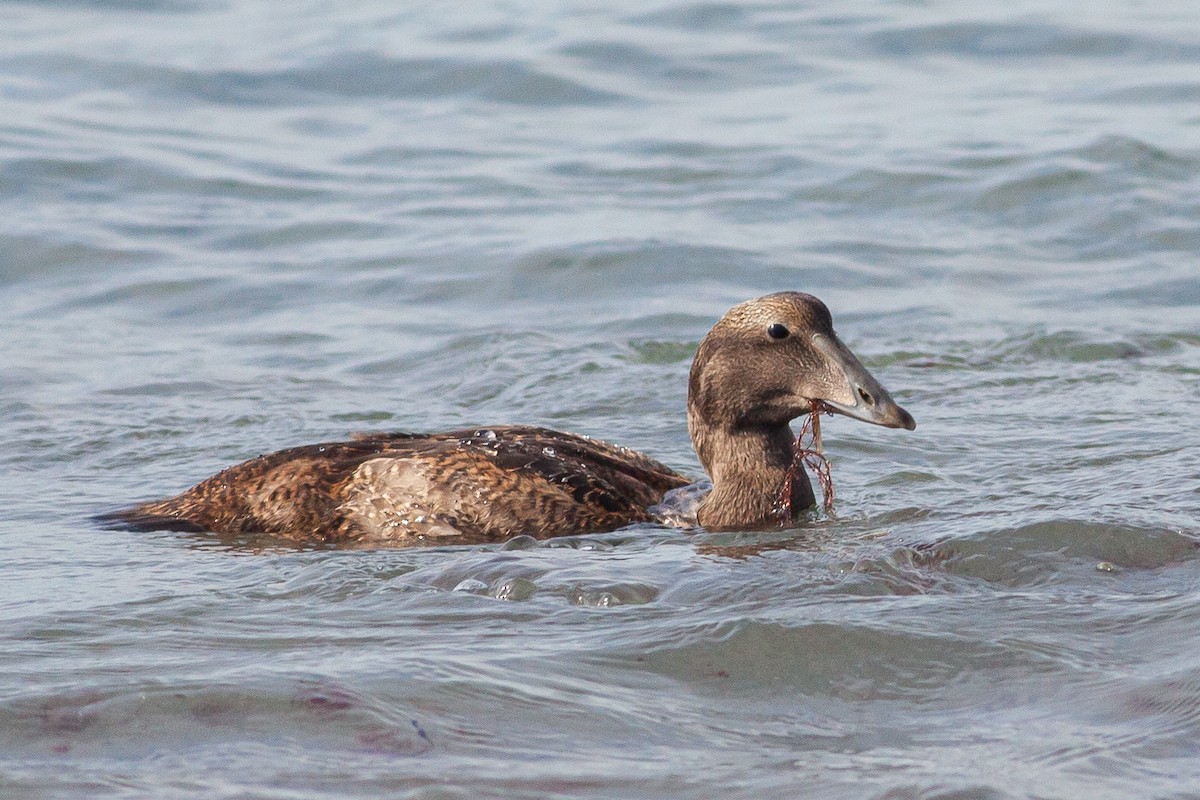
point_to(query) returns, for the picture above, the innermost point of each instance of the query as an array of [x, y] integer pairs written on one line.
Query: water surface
[[227, 229]]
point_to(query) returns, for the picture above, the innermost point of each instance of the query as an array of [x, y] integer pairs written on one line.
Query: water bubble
[[615, 595], [513, 589], [595, 599], [471, 586], [522, 542]]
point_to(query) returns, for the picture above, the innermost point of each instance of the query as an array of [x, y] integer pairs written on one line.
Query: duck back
[[470, 485]]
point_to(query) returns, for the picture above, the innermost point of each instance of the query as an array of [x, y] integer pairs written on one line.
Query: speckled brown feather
[[472, 485]]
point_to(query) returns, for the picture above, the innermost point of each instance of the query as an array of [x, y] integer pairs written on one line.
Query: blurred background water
[[229, 227]]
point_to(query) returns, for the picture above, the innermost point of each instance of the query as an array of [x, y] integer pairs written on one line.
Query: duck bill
[[853, 391]]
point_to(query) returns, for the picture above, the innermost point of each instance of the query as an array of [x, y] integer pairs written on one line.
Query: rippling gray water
[[229, 228]]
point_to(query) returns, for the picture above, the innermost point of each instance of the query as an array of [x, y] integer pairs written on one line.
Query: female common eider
[[765, 363]]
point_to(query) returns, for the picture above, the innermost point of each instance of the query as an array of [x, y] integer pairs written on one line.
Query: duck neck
[[748, 467]]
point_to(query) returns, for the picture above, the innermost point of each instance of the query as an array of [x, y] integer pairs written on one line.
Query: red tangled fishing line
[[810, 455]]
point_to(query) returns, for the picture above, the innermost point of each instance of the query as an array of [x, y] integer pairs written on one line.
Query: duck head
[[762, 365]]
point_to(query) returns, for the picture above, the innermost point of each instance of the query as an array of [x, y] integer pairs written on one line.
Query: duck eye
[[778, 331]]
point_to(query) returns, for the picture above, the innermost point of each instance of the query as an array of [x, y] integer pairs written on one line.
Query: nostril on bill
[[866, 396]]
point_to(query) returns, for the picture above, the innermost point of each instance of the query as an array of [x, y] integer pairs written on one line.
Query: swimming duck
[[763, 364]]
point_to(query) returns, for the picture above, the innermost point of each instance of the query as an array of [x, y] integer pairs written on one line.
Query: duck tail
[[163, 515]]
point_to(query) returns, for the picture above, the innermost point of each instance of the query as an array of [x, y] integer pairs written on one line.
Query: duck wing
[[462, 486]]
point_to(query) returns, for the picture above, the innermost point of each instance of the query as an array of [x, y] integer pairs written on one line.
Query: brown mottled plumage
[[471, 485], [761, 366]]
